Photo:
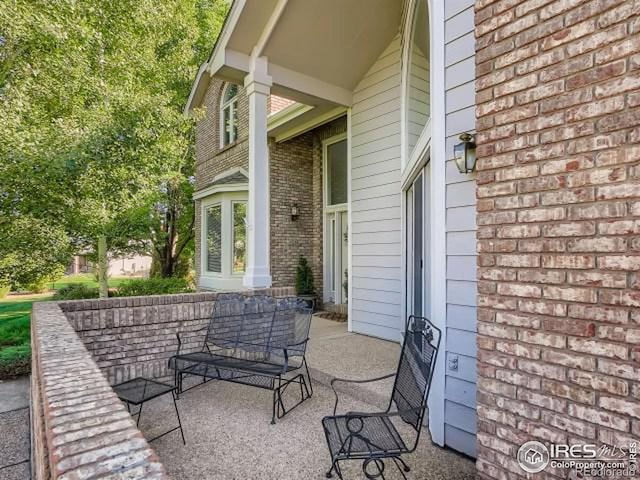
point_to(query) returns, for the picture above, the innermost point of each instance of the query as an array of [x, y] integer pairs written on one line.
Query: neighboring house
[[529, 266], [134, 265]]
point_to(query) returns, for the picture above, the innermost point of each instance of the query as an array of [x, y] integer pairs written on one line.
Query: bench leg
[[276, 399], [174, 395]]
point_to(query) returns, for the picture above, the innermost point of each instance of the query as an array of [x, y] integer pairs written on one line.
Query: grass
[[15, 325], [87, 279], [15, 349]]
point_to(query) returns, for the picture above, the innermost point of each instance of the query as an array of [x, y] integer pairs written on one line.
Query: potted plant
[[304, 282], [345, 286]]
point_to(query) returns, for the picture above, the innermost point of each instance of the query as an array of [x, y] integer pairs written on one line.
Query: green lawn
[[15, 350], [87, 279], [15, 317]]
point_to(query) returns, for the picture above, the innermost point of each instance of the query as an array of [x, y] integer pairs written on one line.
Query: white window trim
[[430, 145], [227, 279], [232, 115]]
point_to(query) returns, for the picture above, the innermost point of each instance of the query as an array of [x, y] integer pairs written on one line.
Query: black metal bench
[[253, 340]]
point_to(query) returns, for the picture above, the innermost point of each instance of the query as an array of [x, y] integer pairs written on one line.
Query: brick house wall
[[558, 97], [291, 182], [331, 129], [295, 178]]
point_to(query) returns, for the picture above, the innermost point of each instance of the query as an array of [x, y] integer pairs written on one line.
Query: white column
[[258, 85]]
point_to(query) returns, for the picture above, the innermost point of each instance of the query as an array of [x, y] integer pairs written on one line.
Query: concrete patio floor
[[14, 430], [229, 435]]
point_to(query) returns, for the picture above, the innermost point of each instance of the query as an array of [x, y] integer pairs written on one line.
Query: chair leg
[[379, 468], [310, 389], [404, 464], [402, 467], [335, 466]]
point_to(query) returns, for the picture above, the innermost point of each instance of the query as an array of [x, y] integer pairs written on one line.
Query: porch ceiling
[[317, 50]]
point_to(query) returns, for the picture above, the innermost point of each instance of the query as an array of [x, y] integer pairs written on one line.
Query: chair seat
[[375, 435], [184, 361]]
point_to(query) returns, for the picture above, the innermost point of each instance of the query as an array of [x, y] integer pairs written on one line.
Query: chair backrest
[[415, 369], [258, 323]]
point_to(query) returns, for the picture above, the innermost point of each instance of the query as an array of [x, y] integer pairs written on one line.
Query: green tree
[[46, 257], [95, 141]]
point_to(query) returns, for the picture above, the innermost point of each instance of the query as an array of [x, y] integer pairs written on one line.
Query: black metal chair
[[373, 437]]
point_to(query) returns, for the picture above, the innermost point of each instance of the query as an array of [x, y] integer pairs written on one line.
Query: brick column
[[558, 97]]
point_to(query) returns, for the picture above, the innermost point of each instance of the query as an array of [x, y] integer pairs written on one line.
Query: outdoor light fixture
[[295, 212], [465, 153]]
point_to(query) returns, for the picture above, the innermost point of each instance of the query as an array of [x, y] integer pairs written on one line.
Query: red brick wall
[[558, 97]]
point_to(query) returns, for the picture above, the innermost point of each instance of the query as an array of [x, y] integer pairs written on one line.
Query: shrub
[[304, 278], [76, 291], [153, 286], [15, 361], [38, 286], [4, 290]]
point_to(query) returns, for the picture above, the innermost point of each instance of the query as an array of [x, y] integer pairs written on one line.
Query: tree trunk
[[102, 267]]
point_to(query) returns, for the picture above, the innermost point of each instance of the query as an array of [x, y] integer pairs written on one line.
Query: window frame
[[325, 173], [232, 105], [227, 278]]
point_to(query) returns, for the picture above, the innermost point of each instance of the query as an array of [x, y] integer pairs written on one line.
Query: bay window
[[224, 240]]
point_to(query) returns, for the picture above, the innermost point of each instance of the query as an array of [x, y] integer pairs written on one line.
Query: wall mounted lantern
[[295, 212], [465, 153]]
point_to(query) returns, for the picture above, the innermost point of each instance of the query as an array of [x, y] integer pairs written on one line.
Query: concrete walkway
[[14, 425], [229, 435]]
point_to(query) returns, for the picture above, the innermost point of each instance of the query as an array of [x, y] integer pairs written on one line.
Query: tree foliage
[[94, 141], [45, 257]]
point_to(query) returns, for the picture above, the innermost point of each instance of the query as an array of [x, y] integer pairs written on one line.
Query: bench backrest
[[258, 324]]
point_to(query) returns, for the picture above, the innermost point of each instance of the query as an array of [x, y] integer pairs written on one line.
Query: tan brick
[[568, 261], [543, 339], [599, 382], [598, 348], [564, 390], [569, 359]]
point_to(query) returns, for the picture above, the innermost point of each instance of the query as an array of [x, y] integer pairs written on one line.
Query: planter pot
[[310, 300]]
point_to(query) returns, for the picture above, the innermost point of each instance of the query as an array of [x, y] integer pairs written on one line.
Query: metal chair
[[373, 437]]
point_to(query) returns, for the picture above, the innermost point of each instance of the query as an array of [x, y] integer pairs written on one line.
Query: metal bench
[[253, 340], [373, 437]]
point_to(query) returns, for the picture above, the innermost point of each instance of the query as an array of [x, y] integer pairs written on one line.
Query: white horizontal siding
[[375, 199], [460, 389]]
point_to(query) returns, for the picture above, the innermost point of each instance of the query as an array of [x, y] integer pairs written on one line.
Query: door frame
[[327, 212]]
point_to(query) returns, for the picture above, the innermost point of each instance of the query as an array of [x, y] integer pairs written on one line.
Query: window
[[229, 115], [214, 239], [337, 173], [223, 255], [418, 90], [239, 236]]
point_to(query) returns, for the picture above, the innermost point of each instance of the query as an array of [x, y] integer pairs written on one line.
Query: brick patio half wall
[[558, 109], [80, 348]]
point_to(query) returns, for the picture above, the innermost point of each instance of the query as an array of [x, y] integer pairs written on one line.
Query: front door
[[336, 219]]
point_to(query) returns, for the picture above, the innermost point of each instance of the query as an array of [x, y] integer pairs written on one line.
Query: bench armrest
[[180, 340]]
